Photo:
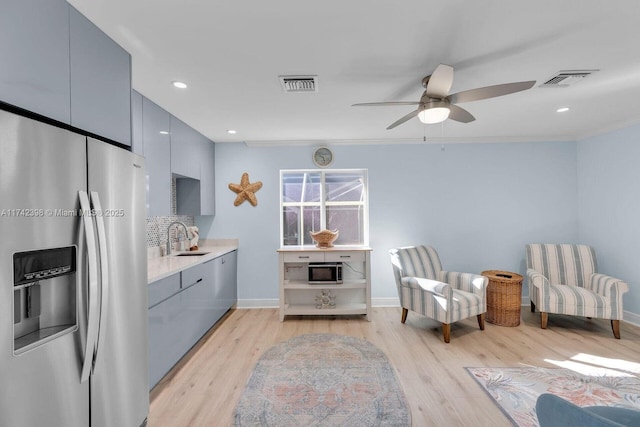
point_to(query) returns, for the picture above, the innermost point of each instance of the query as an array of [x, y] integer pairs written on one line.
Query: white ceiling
[[231, 52]]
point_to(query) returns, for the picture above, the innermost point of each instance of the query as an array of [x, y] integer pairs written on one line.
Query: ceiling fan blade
[[490, 92], [440, 82], [460, 114], [404, 119], [384, 104]]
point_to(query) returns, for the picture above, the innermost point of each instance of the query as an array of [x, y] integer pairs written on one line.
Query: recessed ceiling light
[[562, 110], [179, 85], [231, 131], [164, 132]]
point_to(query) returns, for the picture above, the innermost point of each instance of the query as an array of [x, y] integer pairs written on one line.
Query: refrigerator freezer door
[[119, 384], [42, 168]]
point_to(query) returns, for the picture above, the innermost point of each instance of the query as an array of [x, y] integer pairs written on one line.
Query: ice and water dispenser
[[44, 296]]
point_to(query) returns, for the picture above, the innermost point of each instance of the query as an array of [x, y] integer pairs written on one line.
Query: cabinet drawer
[[303, 257], [163, 289], [193, 275], [351, 256]]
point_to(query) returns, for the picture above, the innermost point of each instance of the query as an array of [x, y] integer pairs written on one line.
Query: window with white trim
[[314, 200]]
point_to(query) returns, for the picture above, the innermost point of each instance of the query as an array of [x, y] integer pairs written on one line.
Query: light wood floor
[[202, 390]]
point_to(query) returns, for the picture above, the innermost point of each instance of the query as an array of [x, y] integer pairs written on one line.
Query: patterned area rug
[[515, 390], [323, 380]]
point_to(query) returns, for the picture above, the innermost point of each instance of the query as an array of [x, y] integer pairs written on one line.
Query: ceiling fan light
[[433, 115]]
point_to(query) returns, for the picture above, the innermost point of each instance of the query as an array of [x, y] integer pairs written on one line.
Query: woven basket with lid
[[504, 297]]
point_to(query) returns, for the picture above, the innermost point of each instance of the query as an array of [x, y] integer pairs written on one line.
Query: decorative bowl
[[324, 238]]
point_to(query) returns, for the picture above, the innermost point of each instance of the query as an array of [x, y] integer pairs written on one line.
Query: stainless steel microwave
[[325, 273]]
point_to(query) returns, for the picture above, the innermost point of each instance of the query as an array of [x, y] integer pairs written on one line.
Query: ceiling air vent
[[567, 78], [297, 84]]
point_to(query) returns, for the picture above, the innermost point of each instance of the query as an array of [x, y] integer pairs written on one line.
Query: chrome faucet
[[186, 230]]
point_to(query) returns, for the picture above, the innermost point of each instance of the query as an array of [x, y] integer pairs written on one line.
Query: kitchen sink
[[194, 253]]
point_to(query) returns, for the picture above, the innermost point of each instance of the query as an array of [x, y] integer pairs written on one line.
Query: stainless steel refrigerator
[[73, 291]]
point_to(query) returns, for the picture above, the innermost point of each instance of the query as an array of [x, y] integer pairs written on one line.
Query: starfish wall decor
[[245, 190]]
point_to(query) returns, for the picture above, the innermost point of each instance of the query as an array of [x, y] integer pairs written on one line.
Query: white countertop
[[161, 267]]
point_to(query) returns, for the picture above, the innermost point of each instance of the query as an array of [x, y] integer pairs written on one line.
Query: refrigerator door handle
[[92, 291], [104, 270]]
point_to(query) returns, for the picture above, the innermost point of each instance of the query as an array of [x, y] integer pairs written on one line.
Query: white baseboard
[[629, 317], [385, 302], [258, 303], [632, 318]]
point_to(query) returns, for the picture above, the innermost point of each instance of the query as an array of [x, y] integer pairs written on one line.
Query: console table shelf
[[297, 296], [347, 285], [311, 310]]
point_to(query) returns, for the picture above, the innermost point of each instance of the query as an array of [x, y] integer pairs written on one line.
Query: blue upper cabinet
[[34, 55], [137, 142], [156, 123], [100, 81], [54, 62], [185, 149], [193, 164], [207, 178]]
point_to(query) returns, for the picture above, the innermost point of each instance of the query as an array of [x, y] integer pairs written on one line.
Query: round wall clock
[[322, 157]]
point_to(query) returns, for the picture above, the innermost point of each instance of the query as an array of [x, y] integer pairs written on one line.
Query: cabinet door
[[195, 314], [217, 308], [34, 47], [185, 143], [199, 300], [229, 293], [137, 144], [157, 149], [166, 338], [193, 162], [207, 178], [100, 81]]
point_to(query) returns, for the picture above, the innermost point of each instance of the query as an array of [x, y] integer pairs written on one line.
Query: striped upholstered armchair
[[445, 296], [563, 279]]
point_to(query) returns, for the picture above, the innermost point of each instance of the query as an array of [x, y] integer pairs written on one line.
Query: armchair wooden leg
[[446, 331], [544, 317], [533, 307], [615, 325], [404, 315], [481, 321]]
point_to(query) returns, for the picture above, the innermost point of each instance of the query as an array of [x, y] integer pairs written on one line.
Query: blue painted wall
[[477, 204], [609, 205]]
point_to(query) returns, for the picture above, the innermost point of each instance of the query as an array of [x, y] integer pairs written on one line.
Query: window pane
[[349, 221], [301, 187], [290, 226], [311, 223], [344, 187]]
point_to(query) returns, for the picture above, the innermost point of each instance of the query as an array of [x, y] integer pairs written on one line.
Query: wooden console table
[[298, 297]]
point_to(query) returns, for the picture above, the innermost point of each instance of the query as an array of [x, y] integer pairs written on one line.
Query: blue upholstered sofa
[[554, 411]]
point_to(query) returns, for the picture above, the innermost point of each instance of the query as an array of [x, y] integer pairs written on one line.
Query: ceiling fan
[[436, 105]]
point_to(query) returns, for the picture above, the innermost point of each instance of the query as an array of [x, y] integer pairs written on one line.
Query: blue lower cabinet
[[165, 334], [228, 289], [184, 306]]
